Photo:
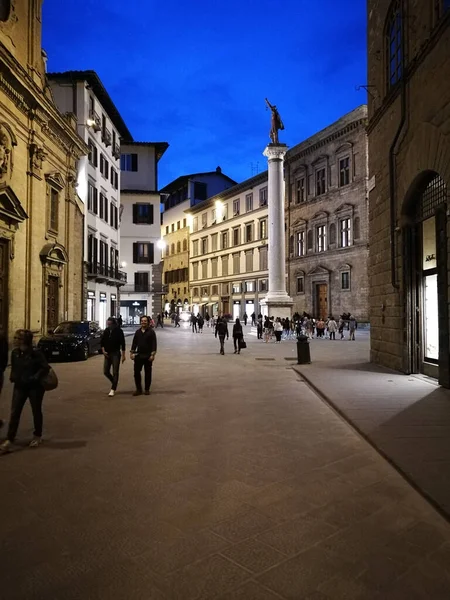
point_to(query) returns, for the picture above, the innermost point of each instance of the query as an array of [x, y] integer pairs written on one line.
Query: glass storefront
[[430, 292]]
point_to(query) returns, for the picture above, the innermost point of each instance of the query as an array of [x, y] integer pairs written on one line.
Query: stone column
[[277, 303]]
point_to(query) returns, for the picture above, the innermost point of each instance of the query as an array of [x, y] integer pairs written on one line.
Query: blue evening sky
[[195, 73]]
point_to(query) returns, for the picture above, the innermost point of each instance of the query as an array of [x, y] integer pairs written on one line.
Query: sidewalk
[[407, 418]]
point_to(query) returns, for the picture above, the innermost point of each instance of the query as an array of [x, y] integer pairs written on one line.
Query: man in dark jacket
[[221, 331], [113, 348], [143, 352]]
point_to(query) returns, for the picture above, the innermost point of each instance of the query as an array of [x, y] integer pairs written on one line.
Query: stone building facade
[[229, 251], [409, 175], [178, 196], [41, 216], [327, 220]]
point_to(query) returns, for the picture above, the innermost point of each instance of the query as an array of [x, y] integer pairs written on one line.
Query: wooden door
[[321, 301], [4, 296], [52, 302]]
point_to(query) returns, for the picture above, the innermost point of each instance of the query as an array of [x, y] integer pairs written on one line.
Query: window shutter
[[151, 253], [135, 213], [134, 162], [135, 252]]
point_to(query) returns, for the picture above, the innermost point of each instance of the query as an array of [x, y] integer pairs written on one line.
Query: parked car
[[72, 340]]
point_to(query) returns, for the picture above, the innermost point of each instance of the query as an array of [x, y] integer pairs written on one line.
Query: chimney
[[218, 170]]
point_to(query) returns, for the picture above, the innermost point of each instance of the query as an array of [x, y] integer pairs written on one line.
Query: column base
[[277, 306]]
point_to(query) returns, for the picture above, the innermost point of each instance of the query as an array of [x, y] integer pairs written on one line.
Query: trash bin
[[303, 353]]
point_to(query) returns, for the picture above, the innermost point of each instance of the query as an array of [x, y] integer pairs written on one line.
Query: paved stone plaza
[[233, 480]]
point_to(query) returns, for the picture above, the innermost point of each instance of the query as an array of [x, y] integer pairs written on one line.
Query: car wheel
[[84, 352]]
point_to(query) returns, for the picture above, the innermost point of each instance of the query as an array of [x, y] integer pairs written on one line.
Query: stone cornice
[[30, 99], [296, 154]]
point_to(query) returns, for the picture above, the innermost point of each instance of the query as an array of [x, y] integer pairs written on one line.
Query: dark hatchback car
[[72, 340]]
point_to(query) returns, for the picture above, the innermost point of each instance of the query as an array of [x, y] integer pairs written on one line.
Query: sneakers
[[35, 442], [5, 447], [111, 393], [137, 393]]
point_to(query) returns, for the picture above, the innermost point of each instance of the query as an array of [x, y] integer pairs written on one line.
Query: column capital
[[275, 151]]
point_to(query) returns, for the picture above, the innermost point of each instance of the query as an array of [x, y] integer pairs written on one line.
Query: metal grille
[[433, 196]]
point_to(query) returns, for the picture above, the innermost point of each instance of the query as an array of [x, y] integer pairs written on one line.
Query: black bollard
[[303, 353]]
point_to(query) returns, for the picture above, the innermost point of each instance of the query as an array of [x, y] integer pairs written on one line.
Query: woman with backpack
[[238, 336], [28, 368]]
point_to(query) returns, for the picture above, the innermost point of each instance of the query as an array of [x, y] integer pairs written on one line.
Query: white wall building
[[101, 126], [140, 230], [228, 250]]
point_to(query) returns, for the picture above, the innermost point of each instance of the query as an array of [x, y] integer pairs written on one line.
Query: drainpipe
[[392, 160]]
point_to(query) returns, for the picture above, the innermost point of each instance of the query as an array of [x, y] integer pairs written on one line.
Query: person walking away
[[3, 364], [207, 318], [278, 329], [238, 335], [259, 328], [221, 331], [352, 327], [194, 323], [113, 349], [120, 321], [332, 326], [159, 321], [200, 322], [253, 318], [245, 319], [143, 352], [287, 328], [266, 329], [341, 328], [176, 320], [28, 367]]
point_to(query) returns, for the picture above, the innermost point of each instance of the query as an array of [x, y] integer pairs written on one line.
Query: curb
[[362, 434]]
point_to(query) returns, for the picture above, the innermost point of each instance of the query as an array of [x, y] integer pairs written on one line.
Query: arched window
[[356, 228], [178, 247], [167, 250], [172, 249], [332, 233], [310, 240], [184, 245], [394, 44]]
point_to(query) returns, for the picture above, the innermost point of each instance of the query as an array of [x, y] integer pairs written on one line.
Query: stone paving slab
[[233, 480], [406, 417]]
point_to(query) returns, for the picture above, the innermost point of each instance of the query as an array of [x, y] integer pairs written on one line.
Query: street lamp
[[161, 244]]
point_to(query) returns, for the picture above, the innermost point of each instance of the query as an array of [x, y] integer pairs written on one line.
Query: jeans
[[138, 364], [194, 327], [236, 341], [113, 360], [222, 341], [20, 396], [332, 335]]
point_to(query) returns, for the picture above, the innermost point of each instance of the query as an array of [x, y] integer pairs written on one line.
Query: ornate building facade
[[327, 220], [409, 176], [41, 216]]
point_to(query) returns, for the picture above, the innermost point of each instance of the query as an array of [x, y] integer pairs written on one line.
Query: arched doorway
[[426, 277]]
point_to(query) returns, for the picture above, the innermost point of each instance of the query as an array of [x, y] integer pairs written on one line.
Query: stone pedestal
[[277, 303]]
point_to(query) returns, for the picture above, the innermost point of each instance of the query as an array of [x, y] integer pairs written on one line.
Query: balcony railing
[[116, 151], [106, 273], [95, 118], [148, 288], [106, 137]]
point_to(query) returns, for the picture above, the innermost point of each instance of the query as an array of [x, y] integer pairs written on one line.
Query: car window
[[72, 328]]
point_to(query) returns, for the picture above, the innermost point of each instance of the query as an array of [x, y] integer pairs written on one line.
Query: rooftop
[[160, 147], [176, 184], [93, 80]]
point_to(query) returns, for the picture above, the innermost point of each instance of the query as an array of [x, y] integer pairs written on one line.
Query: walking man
[[194, 323], [143, 352], [221, 331], [159, 321], [352, 327], [113, 348]]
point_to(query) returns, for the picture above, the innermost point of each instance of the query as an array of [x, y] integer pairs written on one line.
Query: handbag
[[242, 343], [50, 381]]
